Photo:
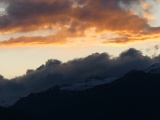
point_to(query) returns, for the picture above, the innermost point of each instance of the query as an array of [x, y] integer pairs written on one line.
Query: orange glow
[[75, 22]]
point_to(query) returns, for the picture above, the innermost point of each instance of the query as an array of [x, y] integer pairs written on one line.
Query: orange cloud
[[32, 41], [60, 38], [79, 16], [128, 38]]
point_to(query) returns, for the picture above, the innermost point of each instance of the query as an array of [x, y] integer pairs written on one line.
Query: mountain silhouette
[[136, 95], [12, 114]]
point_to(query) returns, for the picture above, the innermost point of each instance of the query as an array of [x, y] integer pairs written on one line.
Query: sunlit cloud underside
[[67, 22]]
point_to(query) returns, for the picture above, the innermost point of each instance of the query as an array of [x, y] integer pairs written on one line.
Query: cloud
[[60, 38], [79, 16], [125, 38], [54, 72], [153, 50], [30, 15]]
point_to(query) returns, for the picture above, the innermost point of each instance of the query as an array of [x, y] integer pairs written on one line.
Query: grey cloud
[[29, 14], [156, 47], [153, 50], [102, 15], [54, 72]]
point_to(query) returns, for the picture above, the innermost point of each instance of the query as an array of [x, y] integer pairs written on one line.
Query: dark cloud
[[131, 53], [30, 15], [79, 15], [54, 72]]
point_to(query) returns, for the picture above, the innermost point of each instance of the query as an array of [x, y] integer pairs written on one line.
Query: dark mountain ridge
[[136, 95], [14, 114]]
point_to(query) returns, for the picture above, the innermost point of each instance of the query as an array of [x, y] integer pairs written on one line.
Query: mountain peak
[[154, 68]]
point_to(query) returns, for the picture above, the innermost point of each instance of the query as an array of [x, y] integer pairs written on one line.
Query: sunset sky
[[33, 31]]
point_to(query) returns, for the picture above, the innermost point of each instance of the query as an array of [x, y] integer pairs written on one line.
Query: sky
[[33, 31], [97, 67]]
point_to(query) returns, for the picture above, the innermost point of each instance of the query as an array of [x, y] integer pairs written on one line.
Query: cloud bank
[[54, 72], [77, 17]]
